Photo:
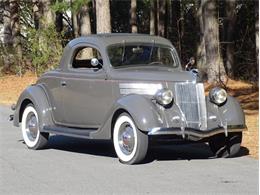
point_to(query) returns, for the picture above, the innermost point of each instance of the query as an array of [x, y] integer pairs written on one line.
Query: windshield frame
[[173, 51]]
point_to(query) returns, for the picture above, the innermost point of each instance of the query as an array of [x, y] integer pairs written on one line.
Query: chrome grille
[[190, 98]]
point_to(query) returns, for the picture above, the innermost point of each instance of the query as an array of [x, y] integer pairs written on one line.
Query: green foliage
[[43, 48], [77, 4], [63, 6], [9, 61]]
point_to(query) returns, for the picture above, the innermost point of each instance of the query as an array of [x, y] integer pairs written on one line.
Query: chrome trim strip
[[137, 91], [202, 106], [139, 88]]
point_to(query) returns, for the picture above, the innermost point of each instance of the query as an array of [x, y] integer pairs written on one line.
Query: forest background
[[222, 35]]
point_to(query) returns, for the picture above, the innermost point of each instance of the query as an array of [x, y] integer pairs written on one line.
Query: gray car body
[[85, 103]]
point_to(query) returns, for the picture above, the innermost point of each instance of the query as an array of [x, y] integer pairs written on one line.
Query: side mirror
[[94, 62], [189, 65]]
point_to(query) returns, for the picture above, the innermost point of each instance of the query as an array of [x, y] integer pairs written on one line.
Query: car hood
[[153, 74]]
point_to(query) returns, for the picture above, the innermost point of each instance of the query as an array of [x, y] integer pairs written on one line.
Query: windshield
[[122, 55]]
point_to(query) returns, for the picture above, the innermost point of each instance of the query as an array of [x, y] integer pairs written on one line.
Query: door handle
[[63, 83]]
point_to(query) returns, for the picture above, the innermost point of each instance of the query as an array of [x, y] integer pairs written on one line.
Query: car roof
[[115, 38], [104, 40]]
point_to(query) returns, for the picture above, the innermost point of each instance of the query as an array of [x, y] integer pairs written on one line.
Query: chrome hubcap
[[126, 138], [32, 126]]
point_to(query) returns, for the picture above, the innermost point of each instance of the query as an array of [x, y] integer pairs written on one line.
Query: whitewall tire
[[129, 142], [32, 136]]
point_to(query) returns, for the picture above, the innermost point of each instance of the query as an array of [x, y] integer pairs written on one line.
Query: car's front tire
[[32, 136], [224, 147], [130, 143]]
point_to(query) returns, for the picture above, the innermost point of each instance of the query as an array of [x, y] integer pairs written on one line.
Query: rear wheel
[[130, 143], [32, 136], [225, 147]]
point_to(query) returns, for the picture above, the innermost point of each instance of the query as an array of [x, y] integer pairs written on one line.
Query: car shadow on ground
[[84, 146], [186, 152], [156, 153]]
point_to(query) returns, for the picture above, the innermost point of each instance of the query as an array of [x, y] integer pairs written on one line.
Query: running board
[[72, 132]]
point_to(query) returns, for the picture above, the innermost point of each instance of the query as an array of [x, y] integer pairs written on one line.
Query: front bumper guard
[[188, 132]]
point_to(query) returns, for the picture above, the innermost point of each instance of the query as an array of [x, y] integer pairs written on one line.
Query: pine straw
[[12, 86], [246, 93]]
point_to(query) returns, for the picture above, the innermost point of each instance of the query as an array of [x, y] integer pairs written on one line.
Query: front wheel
[[225, 147], [32, 136], [130, 143]]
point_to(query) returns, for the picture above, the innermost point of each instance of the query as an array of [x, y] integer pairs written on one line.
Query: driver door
[[87, 93]]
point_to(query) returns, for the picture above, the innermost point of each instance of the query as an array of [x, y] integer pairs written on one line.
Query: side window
[[116, 54], [82, 58]]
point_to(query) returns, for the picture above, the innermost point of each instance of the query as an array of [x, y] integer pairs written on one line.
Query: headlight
[[164, 96], [218, 95]]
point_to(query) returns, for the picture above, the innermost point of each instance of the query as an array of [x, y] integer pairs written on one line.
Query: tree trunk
[[47, 18], [15, 24], [169, 19], [152, 18], [59, 21], [157, 10], [201, 52], [75, 24], [133, 21], [103, 16], [8, 42], [85, 26], [215, 70], [36, 14], [257, 33], [93, 15], [161, 18], [85, 29], [231, 16], [74, 20], [176, 9], [16, 31]]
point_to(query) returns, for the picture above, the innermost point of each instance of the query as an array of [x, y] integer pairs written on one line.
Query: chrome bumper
[[195, 132]]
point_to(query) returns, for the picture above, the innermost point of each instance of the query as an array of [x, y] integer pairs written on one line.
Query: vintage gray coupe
[[131, 89]]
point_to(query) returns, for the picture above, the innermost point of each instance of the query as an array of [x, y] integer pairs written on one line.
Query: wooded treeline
[[221, 34]]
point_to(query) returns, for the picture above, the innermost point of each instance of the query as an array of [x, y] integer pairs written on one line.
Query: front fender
[[142, 110], [232, 112], [36, 95]]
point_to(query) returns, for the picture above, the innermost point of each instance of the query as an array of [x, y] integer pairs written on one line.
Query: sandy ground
[[247, 94]]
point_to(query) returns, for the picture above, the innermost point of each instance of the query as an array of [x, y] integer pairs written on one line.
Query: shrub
[[43, 48]]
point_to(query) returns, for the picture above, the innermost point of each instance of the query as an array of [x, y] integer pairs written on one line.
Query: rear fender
[[36, 95]]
